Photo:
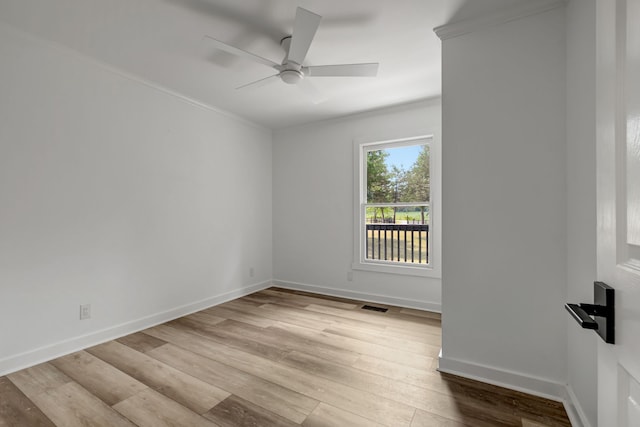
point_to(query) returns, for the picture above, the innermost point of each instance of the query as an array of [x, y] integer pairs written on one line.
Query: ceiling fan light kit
[[291, 70]]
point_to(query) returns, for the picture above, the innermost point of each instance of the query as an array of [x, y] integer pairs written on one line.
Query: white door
[[618, 205]]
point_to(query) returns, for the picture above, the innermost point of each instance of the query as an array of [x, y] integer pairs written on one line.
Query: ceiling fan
[[291, 70]]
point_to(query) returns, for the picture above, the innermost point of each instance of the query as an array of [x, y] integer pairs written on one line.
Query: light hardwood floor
[[273, 358]]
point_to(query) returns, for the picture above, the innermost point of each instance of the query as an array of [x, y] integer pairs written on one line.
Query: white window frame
[[433, 268]]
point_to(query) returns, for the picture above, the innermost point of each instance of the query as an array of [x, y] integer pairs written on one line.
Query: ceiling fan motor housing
[[291, 76]]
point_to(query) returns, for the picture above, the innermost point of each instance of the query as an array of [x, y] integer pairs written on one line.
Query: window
[[394, 211]]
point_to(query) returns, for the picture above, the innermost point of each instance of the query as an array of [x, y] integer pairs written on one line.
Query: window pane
[[398, 175]]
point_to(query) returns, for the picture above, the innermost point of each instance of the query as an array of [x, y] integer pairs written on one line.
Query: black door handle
[[603, 309], [581, 316]]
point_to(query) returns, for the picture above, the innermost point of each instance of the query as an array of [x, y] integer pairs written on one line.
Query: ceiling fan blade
[[342, 70], [304, 29], [242, 53], [261, 82], [311, 91]]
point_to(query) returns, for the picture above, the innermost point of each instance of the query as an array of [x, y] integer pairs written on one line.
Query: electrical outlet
[[251, 272], [350, 276], [85, 311]]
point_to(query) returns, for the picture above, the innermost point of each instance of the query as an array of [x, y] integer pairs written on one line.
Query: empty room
[[319, 213]]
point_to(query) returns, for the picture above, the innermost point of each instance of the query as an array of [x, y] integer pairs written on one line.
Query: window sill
[[404, 270]]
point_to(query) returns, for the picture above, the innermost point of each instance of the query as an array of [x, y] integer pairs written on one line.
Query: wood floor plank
[[239, 316], [282, 312], [317, 295], [207, 318], [194, 324], [361, 402], [152, 409], [141, 342], [261, 299], [357, 346], [221, 334], [329, 416], [424, 336], [71, 405], [399, 372], [292, 342], [275, 398], [237, 412], [38, 379], [529, 423], [365, 381], [426, 419], [280, 316], [305, 300], [242, 300], [288, 342], [187, 390], [17, 410], [414, 334], [415, 323], [386, 340], [456, 409], [100, 378]]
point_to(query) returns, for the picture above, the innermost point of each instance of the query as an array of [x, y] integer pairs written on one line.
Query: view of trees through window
[[390, 182], [397, 204]]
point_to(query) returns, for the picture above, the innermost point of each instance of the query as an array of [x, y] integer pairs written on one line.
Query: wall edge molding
[[43, 354], [345, 293], [501, 16], [517, 381]]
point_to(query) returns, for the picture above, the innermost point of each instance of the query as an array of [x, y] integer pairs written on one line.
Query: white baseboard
[[574, 410], [39, 355], [344, 293], [519, 382], [512, 380]]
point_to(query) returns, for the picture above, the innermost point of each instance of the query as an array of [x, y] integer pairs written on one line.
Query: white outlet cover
[[85, 311]]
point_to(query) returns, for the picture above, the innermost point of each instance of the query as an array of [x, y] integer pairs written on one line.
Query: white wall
[[581, 199], [504, 203], [120, 195], [313, 212]]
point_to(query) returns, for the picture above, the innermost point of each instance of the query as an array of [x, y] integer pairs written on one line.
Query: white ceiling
[[161, 41]]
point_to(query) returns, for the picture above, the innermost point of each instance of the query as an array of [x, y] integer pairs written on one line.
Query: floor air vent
[[372, 308]]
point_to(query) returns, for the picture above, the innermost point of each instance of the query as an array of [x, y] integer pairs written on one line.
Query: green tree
[[378, 180], [398, 187], [419, 180]]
